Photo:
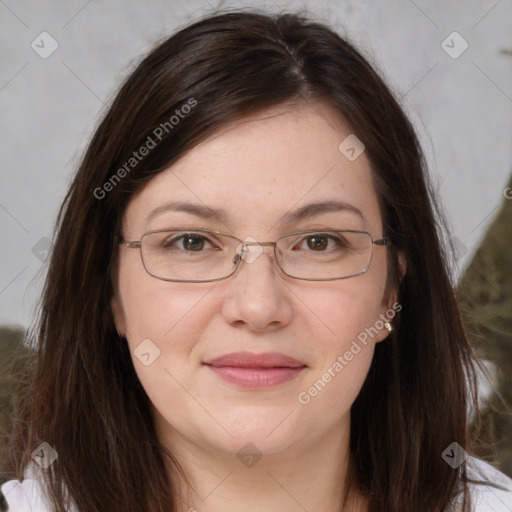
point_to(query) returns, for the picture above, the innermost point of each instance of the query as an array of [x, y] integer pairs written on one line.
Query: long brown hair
[[85, 399]]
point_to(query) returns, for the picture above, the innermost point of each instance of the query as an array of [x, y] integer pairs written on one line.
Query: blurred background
[[449, 63]]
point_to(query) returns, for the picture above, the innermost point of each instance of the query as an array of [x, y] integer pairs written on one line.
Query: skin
[[257, 170]]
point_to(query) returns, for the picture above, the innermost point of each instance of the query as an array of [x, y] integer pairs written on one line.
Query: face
[[256, 171]]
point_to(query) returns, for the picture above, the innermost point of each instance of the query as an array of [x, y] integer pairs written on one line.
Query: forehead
[[260, 168]]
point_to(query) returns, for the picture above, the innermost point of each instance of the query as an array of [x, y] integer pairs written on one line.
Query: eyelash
[[168, 242]]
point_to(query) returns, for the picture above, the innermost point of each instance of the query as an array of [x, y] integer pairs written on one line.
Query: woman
[[248, 305]]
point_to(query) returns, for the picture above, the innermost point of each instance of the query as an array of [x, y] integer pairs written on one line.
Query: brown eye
[[190, 242], [317, 242], [193, 242], [321, 242]]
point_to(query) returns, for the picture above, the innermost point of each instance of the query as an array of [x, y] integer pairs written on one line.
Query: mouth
[[256, 371]]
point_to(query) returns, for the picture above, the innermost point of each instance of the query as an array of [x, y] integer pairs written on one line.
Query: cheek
[[152, 307], [349, 312], [348, 309], [163, 322], [161, 319]]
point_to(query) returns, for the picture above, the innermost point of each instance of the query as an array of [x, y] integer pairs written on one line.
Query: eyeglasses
[[202, 255]]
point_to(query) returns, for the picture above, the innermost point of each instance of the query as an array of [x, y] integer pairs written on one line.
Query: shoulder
[[486, 498], [27, 496]]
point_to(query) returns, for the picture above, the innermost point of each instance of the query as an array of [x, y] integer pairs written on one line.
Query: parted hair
[[84, 398]]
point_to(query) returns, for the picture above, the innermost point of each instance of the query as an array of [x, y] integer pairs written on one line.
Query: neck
[[312, 476]]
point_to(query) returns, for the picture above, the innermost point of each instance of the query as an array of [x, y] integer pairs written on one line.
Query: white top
[[29, 496]]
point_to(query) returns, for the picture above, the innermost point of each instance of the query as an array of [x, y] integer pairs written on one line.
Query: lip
[[251, 360], [256, 371]]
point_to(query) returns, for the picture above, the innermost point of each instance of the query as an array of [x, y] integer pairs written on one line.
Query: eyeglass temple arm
[[382, 241], [135, 245], [129, 244]]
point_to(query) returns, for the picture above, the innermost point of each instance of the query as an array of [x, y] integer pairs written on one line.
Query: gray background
[[462, 107]]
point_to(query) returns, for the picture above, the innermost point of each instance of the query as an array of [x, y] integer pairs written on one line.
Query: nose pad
[[256, 300], [249, 249]]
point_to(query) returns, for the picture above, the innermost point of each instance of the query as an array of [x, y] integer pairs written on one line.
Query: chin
[[268, 437]]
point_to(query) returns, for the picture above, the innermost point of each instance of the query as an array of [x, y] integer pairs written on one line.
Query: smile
[[256, 378], [256, 371]]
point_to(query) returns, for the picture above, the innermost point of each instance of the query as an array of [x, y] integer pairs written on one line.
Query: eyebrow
[[220, 215]]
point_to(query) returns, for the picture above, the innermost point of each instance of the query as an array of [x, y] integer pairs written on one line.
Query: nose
[[257, 297]]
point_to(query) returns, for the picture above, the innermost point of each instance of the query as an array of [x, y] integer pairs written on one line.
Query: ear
[[115, 303], [391, 293], [402, 265], [118, 314], [390, 301]]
